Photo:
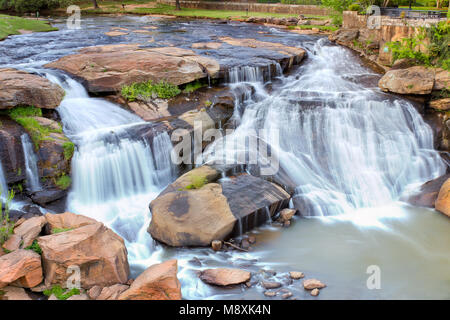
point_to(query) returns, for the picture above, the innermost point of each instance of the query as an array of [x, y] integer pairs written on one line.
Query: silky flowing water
[[349, 150]]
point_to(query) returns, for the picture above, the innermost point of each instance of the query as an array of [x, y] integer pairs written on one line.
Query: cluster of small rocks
[[291, 21]]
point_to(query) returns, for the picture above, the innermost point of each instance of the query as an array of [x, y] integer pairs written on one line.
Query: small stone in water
[[270, 293], [270, 284], [286, 295], [269, 272], [313, 284], [286, 224], [245, 244], [315, 292], [251, 239], [216, 245], [296, 275]]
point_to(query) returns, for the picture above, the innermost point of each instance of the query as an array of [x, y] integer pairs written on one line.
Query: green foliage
[[354, 7], [60, 293], [59, 230], [12, 25], [337, 5], [22, 6], [192, 86], [35, 247], [437, 52], [69, 149], [145, 90], [304, 2], [25, 111], [6, 225], [63, 182]]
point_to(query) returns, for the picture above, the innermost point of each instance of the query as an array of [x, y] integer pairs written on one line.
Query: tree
[[177, 5], [30, 5], [95, 4], [337, 5]]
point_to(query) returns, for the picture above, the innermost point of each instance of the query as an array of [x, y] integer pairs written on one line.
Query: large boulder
[[108, 68], [21, 268], [441, 80], [158, 282], [427, 194], [442, 203], [100, 254], [414, 80], [440, 104], [198, 208], [344, 36], [30, 230], [19, 88]]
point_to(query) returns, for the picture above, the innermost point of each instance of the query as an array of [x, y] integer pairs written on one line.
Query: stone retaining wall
[[252, 7]]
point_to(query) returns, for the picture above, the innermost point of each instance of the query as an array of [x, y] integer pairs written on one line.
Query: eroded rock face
[[19, 88], [197, 209], [11, 151], [108, 68], [100, 254], [442, 80], [21, 268], [224, 276], [443, 200], [343, 36], [414, 80], [158, 282]]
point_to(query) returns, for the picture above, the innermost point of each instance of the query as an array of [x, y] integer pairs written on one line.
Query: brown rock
[[287, 214], [97, 250], [441, 104], [443, 200], [30, 230], [14, 293], [115, 33], [112, 292], [310, 284], [158, 282], [286, 295], [403, 64], [270, 284], [18, 88], [82, 296], [216, 245], [441, 80], [21, 267], [296, 275], [224, 277], [414, 80], [315, 292], [428, 192], [344, 36], [13, 243], [94, 292], [108, 68], [67, 220], [270, 294]]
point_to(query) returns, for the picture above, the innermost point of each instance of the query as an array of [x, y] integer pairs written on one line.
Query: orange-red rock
[[22, 268], [224, 276]]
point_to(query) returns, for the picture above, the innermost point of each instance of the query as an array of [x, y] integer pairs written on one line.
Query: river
[[350, 151]]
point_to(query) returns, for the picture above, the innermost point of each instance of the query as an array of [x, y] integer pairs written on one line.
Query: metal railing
[[412, 14]]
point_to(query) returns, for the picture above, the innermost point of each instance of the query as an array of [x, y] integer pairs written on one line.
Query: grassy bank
[[10, 25]]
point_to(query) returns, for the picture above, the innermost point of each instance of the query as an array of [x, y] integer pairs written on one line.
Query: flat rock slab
[[19, 88], [414, 80], [22, 268], [225, 277], [108, 68]]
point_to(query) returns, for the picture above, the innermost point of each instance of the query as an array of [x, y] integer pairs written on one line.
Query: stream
[[350, 151]]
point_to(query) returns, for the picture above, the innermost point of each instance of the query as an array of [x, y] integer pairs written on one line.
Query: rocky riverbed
[[211, 231]]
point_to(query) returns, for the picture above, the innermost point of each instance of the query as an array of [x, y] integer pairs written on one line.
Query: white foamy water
[[32, 173]]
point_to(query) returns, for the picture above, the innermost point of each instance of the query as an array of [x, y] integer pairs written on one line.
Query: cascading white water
[[3, 184], [32, 173], [342, 145]]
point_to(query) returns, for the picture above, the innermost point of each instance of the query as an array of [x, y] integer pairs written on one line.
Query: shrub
[[69, 149], [354, 7], [63, 182], [35, 247], [31, 5], [60, 293], [6, 225]]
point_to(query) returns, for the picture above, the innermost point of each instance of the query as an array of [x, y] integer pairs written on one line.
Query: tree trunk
[[95, 4], [177, 5], [386, 3], [438, 4]]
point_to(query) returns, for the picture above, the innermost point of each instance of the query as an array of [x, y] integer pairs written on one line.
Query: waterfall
[[343, 145], [3, 184], [30, 164], [115, 173]]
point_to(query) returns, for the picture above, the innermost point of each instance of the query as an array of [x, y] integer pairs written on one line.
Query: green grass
[[10, 25], [24, 117], [63, 182], [35, 247], [60, 293], [145, 90], [69, 148], [191, 87], [60, 230]]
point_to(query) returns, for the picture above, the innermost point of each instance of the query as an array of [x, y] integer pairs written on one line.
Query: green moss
[[60, 293], [208, 103], [196, 182], [191, 87], [63, 182], [35, 247], [6, 225], [25, 111], [69, 148], [145, 90], [59, 230]]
